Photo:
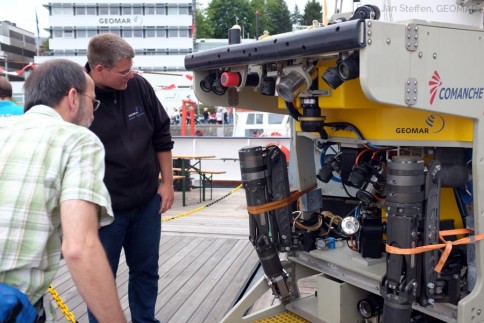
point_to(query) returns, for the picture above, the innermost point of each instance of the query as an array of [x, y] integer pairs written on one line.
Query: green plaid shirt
[[43, 162]]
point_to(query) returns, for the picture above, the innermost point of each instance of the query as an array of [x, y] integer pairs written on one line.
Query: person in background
[[135, 130], [51, 186], [224, 114], [7, 107], [219, 116], [206, 115]]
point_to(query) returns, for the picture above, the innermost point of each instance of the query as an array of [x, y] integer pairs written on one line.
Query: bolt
[[430, 285], [389, 41], [416, 44], [408, 44], [420, 54], [479, 312], [369, 33], [408, 27], [431, 301], [416, 28], [369, 41], [434, 55], [369, 23]]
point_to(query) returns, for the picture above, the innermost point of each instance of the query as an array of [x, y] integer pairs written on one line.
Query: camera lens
[[206, 83]]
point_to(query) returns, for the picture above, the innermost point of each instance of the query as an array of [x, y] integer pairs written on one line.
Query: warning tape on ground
[[198, 209]]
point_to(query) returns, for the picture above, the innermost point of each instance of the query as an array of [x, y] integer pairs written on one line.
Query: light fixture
[[346, 69], [332, 78], [349, 68], [217, 87], [296, 79], [350, 225], [206, 83], [370, 306]]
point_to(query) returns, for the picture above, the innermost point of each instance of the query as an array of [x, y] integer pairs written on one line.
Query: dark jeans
[[138, 232]]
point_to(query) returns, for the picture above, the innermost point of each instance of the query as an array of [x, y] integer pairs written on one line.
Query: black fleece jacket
[[133, 126]]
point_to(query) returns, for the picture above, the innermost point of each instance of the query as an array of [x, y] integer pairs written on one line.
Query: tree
[[312, 11], [277, 17], [223, 14], [296, 17], [204, 27]]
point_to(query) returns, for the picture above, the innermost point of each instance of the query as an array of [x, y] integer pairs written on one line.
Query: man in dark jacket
[[135, 131]]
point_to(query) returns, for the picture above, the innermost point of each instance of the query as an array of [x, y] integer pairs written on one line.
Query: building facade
[[160, 33], [17, 49]]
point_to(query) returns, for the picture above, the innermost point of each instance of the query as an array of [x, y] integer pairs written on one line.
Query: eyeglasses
[[123, 74], [95, 103]]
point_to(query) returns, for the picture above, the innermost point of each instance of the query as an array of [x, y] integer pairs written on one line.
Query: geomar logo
[[435, 83]]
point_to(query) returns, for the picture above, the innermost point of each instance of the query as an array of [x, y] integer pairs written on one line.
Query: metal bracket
[[412, 37], [411, 91], [232, 97]]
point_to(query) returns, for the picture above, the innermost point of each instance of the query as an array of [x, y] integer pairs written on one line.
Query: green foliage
[[277, 17], [296, 17], [45, 43], [312, 11], [204, 27], [223, 14]]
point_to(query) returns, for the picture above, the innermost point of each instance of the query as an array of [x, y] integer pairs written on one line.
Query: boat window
[[275, 118]]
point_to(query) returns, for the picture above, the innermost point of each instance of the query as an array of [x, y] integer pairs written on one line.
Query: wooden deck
[[205, 263]]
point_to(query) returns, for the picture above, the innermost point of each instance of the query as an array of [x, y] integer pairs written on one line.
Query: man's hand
[[165, 190]]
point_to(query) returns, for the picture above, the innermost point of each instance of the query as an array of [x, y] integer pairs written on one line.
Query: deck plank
[[214, 307], [203, 294], [205, 261], [187, 281]]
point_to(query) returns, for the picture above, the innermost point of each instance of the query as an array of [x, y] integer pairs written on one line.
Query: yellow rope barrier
[[201, 207], [63, 306]]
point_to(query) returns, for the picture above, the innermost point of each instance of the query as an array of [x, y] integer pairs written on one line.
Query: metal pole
[[256, 24]]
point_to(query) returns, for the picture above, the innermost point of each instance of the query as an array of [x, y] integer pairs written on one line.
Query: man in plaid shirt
[[51, 186]]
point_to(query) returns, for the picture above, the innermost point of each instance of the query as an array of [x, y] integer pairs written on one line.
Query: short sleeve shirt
[[43, 162]]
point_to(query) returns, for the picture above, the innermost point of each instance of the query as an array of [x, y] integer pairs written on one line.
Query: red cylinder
[[229, 79]]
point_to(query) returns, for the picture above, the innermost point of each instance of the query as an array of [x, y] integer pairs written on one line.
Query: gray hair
[[5, 88], [52, 81], [107, 49]]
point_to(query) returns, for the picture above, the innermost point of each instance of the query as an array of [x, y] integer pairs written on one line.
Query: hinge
[[412, 37], [411, 91]]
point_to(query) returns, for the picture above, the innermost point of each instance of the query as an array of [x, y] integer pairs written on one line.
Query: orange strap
[[447, 245], [258, 209]]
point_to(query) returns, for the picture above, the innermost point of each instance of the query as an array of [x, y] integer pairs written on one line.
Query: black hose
[[293, 112]]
